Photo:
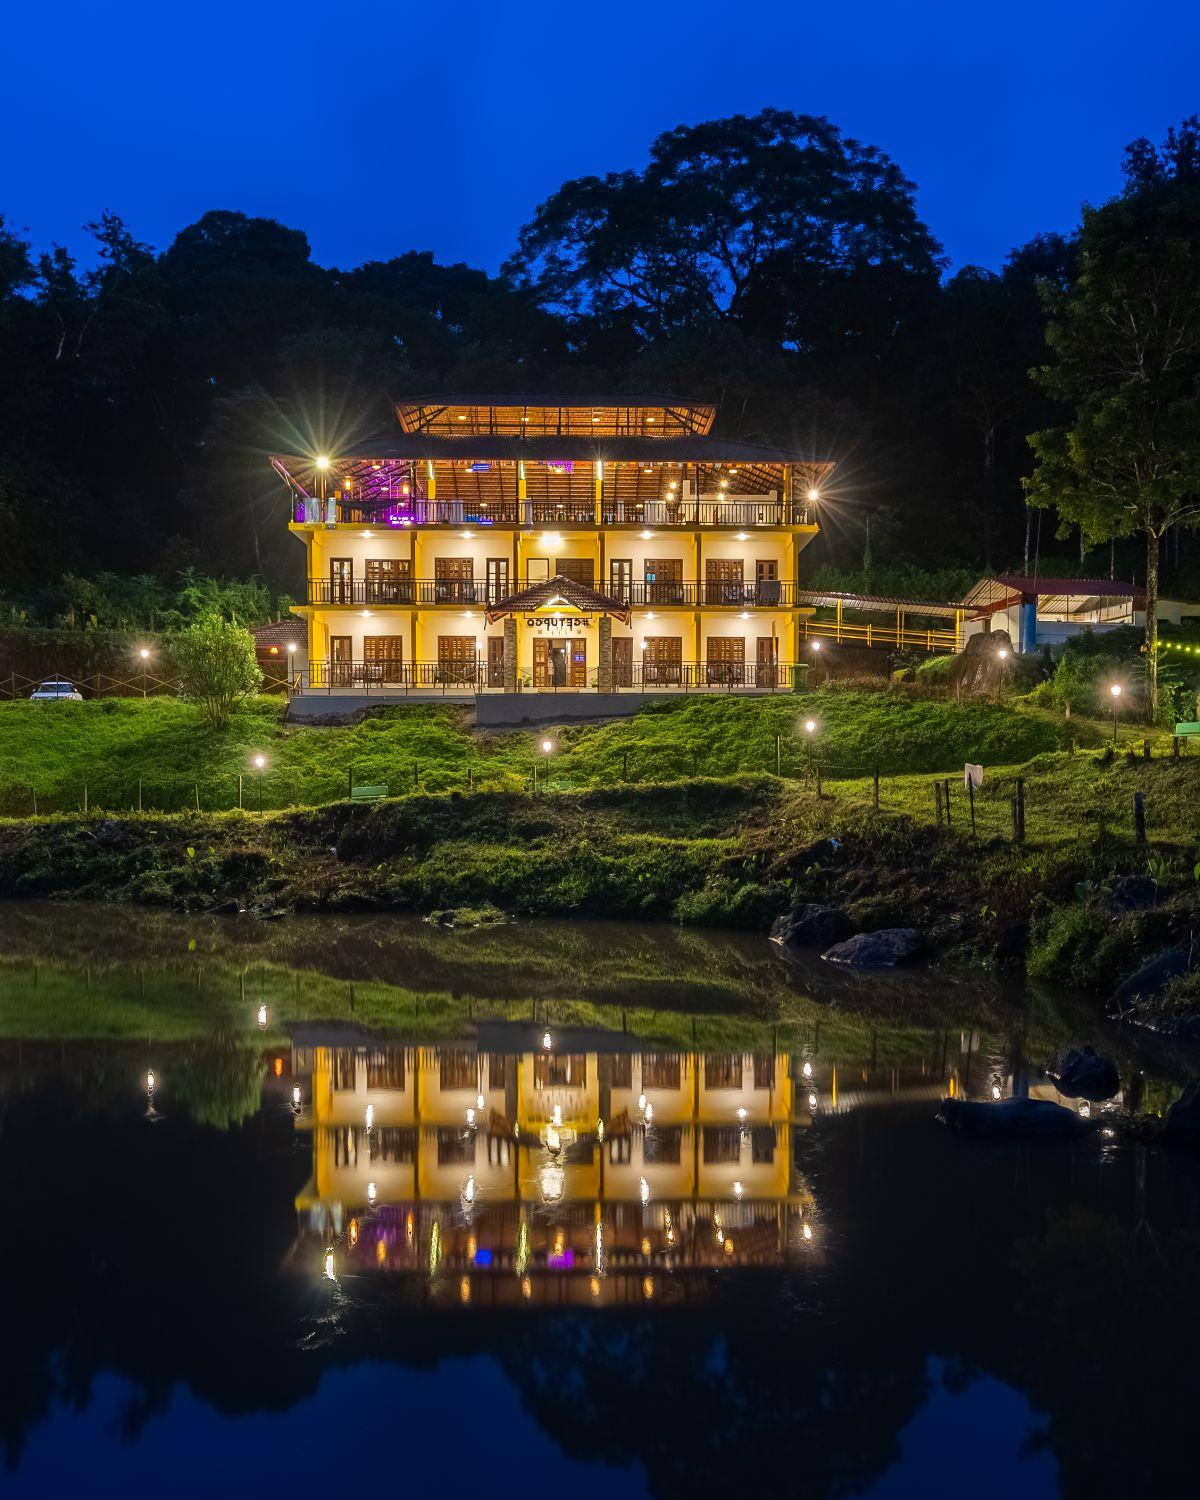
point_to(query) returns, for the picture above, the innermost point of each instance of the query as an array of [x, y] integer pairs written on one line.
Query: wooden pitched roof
[[559, 590]]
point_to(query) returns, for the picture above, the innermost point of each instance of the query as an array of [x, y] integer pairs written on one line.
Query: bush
[[216, 665]]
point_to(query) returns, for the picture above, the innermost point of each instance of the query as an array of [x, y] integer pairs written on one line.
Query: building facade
[[521, 543]]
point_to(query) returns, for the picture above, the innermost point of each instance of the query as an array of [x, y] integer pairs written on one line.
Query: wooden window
[[764, 1070], [383, 658], [722, 1143], [497, 1072], [385, 1068], [723, 1070], [458, 1068], [495, 661], [456, 658], [620, 1150], [660, 1070], [388, 580], [661, 1146], [578, 569], [345, 1146], [620, 579], [560, 1070], [344, 1068], [725, 659], [664, 580], [762, 1145], [396, 1144], [454, 580], [341, 580], [662, 659], [723, 580], [766, 581], [455, 1146], [622, 1070]]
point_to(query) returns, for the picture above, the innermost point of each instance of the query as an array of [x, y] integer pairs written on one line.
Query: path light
[[810, 726], [643, 1190], [807, 1070], [995, 1091], [1115, 692], [296, 1096], [738, 1190], [369, 1117], [259, 762], [547, 747], [471, 1118], [741, 1112], [262, 1018], [812, 1101], [816, 645], [1002, 653], [144, 656], [371, 1192], [807, 1232], [547, 1040]]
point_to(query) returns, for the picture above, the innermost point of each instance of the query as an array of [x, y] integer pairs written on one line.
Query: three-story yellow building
[[511, 543]]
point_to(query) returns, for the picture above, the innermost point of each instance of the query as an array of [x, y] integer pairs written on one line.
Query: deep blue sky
[[379, 128]]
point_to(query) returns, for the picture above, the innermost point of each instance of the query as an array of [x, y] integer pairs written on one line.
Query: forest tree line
[[769, 264]]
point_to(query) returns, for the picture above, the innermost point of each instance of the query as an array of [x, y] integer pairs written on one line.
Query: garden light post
[[144, 654], [1115, 692], [292, 666], [547, 749], [260, 765]]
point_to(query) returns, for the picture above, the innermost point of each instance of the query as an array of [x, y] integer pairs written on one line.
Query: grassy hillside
[[51, 750]]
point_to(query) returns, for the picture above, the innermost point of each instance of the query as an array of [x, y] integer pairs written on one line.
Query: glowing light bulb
[[741, 1112], [262, 1017], [547, 1041], [322, 461], [470, 1117], [738, 1190], [369, 1117], [807, 1232], [649, 1114], [644, 1190], [372, 1192], [150, 1081], [296, 1096], [330, 1266], [812, 1101], [807, 1070], [478, 1101], [469, 1191], [558, 1116]]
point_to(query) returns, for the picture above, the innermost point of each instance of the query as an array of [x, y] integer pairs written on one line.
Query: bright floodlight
[[322, 461], [1115, 690], [144, 654], [814, 494]]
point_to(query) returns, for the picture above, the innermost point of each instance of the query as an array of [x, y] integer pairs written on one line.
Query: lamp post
[[291, 666], [260, 765], [144, 655], [1115, 691], [322, 470], [547, 749]]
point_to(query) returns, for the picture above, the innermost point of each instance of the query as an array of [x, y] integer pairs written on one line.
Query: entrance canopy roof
[[1057, 596], [562, 593]]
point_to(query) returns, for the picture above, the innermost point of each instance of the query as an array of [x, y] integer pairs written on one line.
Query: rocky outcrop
[[811, 926], [876, 950], [1153, 976], [1018, 1118], [1084, 1074], [980, 669]]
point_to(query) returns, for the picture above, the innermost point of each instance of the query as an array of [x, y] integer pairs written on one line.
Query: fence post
[[85, 797], [416, 777], [937, 803], [350, 781], [35, 811], [1174, 747], [876, 785], [196, 789], [946, 799], [239, 789], [1139, 817], [971, 798], [778, 755]]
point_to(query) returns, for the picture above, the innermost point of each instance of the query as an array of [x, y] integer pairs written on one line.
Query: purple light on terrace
[[563, 1262]]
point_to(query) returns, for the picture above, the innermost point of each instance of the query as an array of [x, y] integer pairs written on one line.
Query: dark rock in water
[[1012, 1117], [811, 926], [227, 908], [1132, 893], [876, 950], [1153, 976], [1183, 1119], [1084, 1074]]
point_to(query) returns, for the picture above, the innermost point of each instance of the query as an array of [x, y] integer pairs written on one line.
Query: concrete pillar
[[604, 677], [510, 655]]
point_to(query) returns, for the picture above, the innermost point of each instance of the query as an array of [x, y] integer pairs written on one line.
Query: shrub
[[217, 668]]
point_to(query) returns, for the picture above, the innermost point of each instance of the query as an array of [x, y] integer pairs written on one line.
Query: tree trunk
[[1151, 625]]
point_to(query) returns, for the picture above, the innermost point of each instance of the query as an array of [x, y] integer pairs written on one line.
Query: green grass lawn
[[51, 750]]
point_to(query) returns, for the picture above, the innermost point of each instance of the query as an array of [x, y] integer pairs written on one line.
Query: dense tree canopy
[[767, 263]]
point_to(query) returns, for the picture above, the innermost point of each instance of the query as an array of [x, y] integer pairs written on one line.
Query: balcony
[[399, 513], [458, 678], [459, 592]]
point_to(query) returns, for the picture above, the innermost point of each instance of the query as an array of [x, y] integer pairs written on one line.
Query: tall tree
[[1125, 345]]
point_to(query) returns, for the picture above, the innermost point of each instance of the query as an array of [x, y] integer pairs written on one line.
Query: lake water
[[579, 1208]]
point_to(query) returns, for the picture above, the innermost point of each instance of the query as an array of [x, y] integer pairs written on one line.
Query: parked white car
[[56, 690]]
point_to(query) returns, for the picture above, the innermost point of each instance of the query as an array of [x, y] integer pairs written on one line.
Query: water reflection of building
[[549, 1167]]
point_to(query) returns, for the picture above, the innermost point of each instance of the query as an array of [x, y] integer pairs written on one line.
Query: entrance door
[[341, 660], [723, 577], [456, 658], [341, 580], [664, 581], [454, 581], [726, 660], [560, 663], [383, 658], [495, 660], [497, 580], [662, 660], [387, 580], [766, 581], [766, 664], [622, 657], [620, 580]]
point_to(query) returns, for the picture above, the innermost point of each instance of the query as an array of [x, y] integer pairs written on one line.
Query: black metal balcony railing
[[767, 593], [396, 514], [457, 676]]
